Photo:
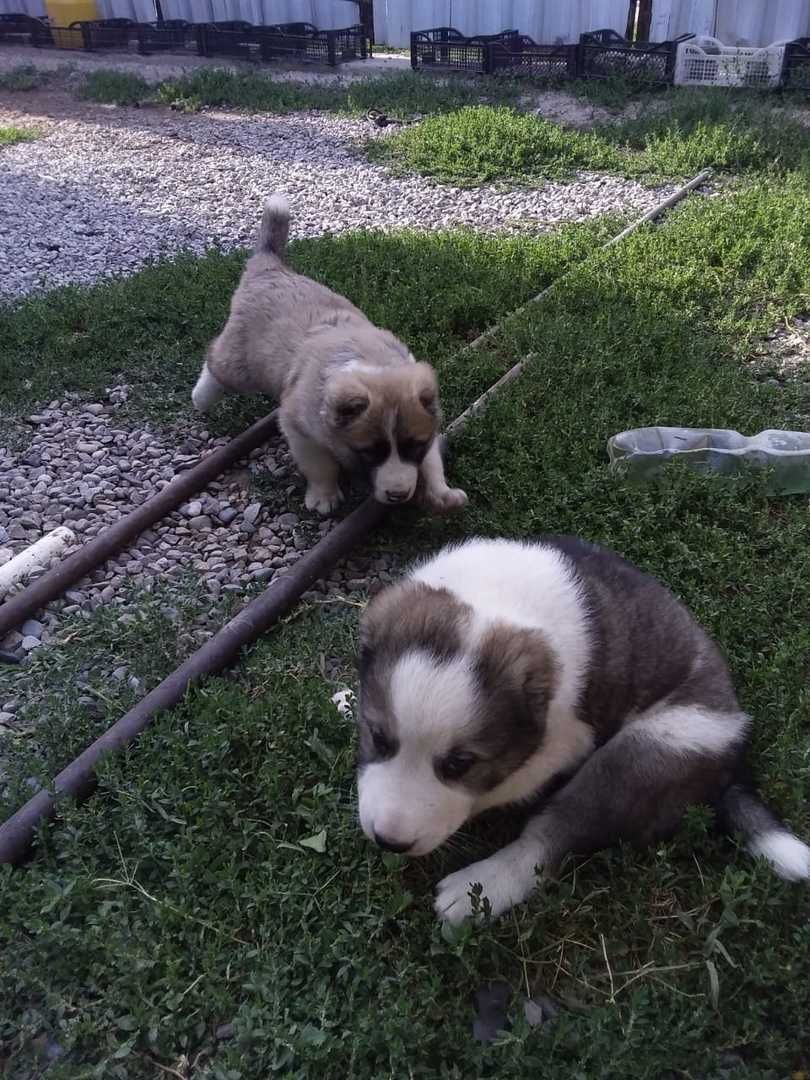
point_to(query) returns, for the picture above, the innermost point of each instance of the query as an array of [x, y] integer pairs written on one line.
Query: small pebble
[[251, 514]]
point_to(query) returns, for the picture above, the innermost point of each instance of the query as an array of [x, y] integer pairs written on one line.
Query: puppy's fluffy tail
[[764, 834], [275, 228]]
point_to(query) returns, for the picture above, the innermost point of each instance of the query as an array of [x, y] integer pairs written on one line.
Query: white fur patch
[[786, 853], [690, 729], [431, 700], [359, 365]]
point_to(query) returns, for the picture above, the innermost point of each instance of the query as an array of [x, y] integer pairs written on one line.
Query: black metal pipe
[[24, 604], [219, 652]]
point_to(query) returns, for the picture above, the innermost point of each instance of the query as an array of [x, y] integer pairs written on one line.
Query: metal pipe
[[665, 204], [219, 652], [20, 607], [223, 648]]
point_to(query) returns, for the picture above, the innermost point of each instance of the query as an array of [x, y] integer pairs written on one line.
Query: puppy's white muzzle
[[395, 481], [407, 809]]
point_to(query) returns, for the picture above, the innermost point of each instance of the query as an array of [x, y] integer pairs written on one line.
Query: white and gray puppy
[[350, 394], [556, 675]]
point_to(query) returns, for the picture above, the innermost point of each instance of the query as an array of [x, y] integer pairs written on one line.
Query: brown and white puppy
[[351, 395], [551, 674]]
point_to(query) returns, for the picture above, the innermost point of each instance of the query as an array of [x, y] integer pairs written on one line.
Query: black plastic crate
[[351, 43], [234, 38], [304, 42], [112, 34], [796, 65], [18, 28], [604, 54], [523, 56], [169, 35], [446, 47]]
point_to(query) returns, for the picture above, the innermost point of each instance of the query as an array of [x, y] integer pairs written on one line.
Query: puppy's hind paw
[[445, 500], [206, 392], [325, 501]]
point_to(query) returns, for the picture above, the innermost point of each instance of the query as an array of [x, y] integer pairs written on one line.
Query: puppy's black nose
[[396, 496], [390, 845]]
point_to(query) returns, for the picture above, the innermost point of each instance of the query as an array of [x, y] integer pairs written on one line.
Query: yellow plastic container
[[64, 12]]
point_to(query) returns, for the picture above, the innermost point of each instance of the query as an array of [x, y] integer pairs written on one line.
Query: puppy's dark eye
[[413, 450], [384, 746], [374, 454], [454, 765]]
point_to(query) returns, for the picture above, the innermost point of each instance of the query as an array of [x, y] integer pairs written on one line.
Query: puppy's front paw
[[446, 499], [502, 882], [324, 500]]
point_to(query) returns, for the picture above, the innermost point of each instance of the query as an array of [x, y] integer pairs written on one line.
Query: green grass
[[676, 135], [24, 77], [160, 320], [10, 134], [479, 144], [402, 95], [734, 132], [115, 88], [181, 897]]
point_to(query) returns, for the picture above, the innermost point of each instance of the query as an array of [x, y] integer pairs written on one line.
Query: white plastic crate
[[705, 61]]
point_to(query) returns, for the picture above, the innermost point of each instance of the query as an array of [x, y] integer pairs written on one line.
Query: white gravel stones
[[104, 194], [86, 469]]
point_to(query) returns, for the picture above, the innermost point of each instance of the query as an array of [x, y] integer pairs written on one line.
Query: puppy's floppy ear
[[346, 399], [412, 615], [519, 663], [426, 388]]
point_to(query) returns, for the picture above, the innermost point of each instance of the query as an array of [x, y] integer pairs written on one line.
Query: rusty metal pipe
[[219, 652], [51, 585]]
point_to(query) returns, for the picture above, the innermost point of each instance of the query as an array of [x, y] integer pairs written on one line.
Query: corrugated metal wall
[[734, 22], [548, 21], [327, 14], [27, 7]]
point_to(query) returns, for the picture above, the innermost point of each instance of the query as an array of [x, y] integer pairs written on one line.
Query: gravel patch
[[783, 356], [157, 68], [84, 469], [102, 196]]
